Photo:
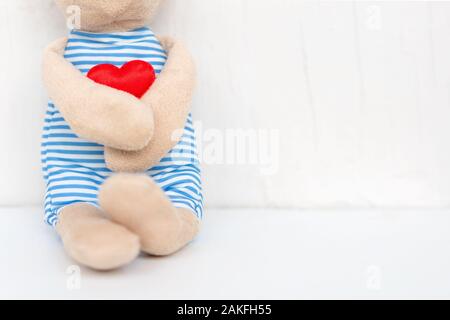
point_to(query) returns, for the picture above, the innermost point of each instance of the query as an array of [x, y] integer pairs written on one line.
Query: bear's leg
[[94, 241], [139, 204]]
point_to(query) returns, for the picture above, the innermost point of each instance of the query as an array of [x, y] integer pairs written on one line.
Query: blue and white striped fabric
[[74, 169]]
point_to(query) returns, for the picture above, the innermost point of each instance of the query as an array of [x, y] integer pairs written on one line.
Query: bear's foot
[[94, 241], [139, 204]]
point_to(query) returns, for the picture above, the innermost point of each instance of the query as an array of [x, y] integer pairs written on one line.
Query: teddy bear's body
[[75, 168], [121, 169]]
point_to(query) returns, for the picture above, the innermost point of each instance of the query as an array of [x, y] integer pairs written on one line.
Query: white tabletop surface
[[248, 254]]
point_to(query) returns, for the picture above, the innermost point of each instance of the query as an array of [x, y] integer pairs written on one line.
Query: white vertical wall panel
[[25, 29], [357, 93]]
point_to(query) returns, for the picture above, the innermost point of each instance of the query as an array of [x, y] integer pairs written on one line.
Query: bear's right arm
[[95, 112]]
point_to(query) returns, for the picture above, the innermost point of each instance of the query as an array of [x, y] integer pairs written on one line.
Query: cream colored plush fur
[[112, 15], [170, 99], [137, 134], [95, 112], [93, 240], [136, 202]]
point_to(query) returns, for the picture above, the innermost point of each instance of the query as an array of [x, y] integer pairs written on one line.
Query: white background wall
[[357, 91]]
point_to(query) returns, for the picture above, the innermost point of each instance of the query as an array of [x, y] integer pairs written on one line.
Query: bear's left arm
[[170, 99]]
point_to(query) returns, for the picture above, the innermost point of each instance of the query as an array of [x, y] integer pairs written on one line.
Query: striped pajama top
[[74, 168]]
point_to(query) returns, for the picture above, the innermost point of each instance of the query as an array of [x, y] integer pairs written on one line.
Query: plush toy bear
[[122, 172]]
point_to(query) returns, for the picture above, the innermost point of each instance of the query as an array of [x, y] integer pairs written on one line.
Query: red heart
[[135, 77]]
